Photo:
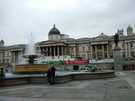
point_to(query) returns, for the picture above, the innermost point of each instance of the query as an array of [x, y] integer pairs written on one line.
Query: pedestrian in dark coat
[[49, 75], [53, 75]]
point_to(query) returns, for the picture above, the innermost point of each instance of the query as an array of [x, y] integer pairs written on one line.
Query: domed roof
[[54, 30]]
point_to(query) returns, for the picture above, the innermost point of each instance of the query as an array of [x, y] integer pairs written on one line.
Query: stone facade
[[61, 47]]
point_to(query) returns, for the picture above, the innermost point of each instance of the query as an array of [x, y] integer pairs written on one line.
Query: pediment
[[102, 36]]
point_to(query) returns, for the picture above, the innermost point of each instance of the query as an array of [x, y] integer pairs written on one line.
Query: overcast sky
[[77, 18]]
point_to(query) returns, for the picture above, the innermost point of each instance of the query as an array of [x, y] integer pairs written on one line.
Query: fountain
[[30, 53], [31, 56]]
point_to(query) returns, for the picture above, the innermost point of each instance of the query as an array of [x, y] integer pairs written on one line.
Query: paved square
[[115, 89]]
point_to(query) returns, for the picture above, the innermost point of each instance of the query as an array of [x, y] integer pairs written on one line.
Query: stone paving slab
[[119, 91], [115, 89], [37, 99]]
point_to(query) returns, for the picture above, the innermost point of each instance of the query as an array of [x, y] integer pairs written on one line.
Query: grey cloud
[[89, 19]]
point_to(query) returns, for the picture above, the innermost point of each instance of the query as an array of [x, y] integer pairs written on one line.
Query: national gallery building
[[60, 48]]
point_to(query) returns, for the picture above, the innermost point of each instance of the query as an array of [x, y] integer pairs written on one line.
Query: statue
[[117, 54], [116, 39]]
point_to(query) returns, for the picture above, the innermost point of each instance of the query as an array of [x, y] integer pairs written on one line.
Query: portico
[[57, 50], [99, 51]]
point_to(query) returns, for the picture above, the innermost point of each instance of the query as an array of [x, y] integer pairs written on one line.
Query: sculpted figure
[[116, 39]]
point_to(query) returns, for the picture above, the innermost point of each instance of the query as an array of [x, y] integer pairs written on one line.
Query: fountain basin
[[31, 68], [61, 77]]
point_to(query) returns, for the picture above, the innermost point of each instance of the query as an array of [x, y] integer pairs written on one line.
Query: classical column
[[103, 52], [54, 51], [58, 53], [91, 51], [16, 57], [107, 51], [126, 49], [129, 49], [108, 56], [46, 51], [50, 51], [41, 50], [13, 57], [96, 51], [65, 50], [62, 50], [91, 55]]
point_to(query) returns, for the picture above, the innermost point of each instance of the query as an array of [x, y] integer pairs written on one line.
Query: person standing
[[49, 75], [2, 74], [53, 75]]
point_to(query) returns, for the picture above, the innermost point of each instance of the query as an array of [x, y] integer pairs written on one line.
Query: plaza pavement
[[121, 88]]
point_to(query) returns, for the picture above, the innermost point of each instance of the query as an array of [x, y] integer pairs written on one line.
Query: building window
[[83, 55], [93, 56], [89, 56], [111, 54], [105, 55], [123, 55], [72, 49], [93, 48], [89, 48], [123, 45], [99, 47], [105, 47], [133, 54], [6, 53], [83, 48], [131, 45]]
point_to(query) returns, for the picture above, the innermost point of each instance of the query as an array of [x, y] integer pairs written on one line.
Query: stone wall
[[59, 79]]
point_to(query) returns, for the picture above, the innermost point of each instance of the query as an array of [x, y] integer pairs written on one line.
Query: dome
[[54, 30]]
